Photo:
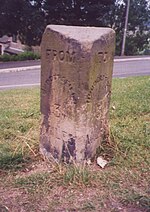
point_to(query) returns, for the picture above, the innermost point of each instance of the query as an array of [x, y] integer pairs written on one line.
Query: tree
[[32, 23], [28, 19], [138, 30], [23, 18], [10, 16], [77, 12]]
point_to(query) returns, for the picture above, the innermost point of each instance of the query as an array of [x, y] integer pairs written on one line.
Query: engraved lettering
[[60, 55], [54, 54], [98, 79], [103, 57], [63, 80], [70, 57], [48, 52], [100, 56]]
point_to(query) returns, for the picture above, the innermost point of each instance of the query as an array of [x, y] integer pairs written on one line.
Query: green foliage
[[129, 120], [32, 182], [88, 206], [136, 198], [12, 163], [20, 57], [137, 42], [23, 18], [28, 19], [19, 113], [84, 12], [8, 161], [77, 175], [138, 30]]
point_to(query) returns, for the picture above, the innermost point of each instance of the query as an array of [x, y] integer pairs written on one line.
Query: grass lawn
[[28, 183]]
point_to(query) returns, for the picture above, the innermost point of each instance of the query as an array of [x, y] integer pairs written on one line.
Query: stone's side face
[[76, 77]]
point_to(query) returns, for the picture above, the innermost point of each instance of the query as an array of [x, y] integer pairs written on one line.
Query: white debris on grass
[[101, 162]]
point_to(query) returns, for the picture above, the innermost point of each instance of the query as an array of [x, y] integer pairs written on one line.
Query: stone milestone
[[76, 76]]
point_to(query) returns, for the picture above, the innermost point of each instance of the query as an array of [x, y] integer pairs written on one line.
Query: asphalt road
[[27, 74], [131, 66]]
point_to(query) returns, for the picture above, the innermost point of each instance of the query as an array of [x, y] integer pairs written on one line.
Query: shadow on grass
[[139, 200], [10, 162]]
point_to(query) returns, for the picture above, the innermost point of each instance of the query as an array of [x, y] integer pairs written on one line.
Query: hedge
[[20, 57]]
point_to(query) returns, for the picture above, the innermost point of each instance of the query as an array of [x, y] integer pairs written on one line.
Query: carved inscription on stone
[[99, 79], [60, 55], [70, 56], [105, 57], [64, 81]]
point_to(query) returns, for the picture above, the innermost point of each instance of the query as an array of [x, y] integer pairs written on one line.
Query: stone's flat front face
[[76, 80]]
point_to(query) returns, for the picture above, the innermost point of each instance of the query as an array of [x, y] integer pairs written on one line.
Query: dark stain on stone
[[55, 153], [65, 81], [45, 122], [70, 87], [74, 98], [47, 146], [87, 153], [71, 147], [65, 154], [68, 150], [70, 135]]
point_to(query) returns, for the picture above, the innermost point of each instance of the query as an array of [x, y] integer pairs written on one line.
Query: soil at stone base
[[20, 200]]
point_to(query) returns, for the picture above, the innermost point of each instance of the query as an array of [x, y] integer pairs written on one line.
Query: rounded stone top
[[81, 33]]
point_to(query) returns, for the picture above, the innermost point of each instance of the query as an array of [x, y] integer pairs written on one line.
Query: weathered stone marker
[[76, 77]]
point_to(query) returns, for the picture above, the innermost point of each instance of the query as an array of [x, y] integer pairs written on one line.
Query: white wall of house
[[2, 47], [11, 43]]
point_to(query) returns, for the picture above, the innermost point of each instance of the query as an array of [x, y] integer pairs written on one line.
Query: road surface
[[27, 74], [131, 66]]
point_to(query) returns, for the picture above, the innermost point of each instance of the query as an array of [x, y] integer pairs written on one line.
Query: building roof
[[4, 39], [11, 50]]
